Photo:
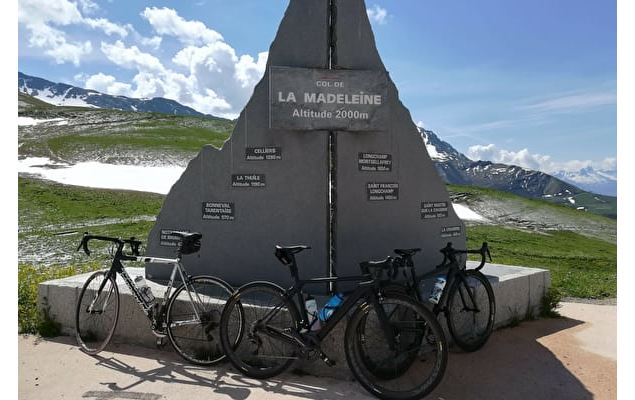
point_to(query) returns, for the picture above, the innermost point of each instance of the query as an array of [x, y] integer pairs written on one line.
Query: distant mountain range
[[571, 189], [61, 94]]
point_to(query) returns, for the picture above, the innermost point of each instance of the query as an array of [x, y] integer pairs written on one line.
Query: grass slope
[[116, 136]]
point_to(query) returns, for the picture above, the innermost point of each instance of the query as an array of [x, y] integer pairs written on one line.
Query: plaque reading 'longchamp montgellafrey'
[[434, 209], [248, 181], [263, 153], [218, 211], [319, 99], [375, 162], [379, 191]]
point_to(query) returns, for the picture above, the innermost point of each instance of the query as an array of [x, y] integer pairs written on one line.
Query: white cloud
[[539, 162], [107, 84], [574, 102], [166, 21], [377, 14], [88, 6], [131, 57], [40, 18], [154, 41], [108, 27], [211, 78], [55, 45]]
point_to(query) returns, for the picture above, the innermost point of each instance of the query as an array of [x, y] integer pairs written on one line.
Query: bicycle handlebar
[[134, 244], [449, 252]]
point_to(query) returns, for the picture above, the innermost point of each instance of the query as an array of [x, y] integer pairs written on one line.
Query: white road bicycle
[[189, 316]]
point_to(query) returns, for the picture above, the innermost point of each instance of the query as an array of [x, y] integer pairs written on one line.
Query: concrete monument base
[[518, 292]]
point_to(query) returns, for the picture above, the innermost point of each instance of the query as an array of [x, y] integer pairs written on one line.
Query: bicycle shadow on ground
[[220, 379], [513, 365]]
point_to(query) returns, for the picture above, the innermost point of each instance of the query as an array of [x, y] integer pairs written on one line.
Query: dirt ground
[[566, 358]]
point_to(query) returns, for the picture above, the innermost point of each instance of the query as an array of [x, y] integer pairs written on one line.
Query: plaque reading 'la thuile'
[[248, 181], [218, 211], [374, 162], [380, 191]]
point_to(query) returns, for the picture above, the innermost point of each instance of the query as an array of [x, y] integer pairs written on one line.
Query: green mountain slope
[[89, 134]]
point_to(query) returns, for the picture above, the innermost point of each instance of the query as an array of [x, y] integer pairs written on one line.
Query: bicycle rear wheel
[[97, 312], [259, 350], [193, 319], [471, 323], [414, 367]]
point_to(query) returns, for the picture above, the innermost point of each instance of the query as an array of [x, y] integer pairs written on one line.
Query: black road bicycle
[[189, 317], [382, 331], [467, 299]]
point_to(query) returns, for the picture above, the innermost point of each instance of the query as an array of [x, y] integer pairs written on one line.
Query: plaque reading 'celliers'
[[319, 99]]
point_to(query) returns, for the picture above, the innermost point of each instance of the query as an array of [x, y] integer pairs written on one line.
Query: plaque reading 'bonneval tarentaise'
[[323, 99]]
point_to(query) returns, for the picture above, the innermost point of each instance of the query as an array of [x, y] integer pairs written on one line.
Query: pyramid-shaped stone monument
[[323, 154]]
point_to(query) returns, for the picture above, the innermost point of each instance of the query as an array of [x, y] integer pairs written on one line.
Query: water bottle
[[312, 311], [437, 290], [144, 289], [330, 306]]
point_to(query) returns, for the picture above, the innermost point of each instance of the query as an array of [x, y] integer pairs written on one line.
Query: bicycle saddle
[[386, 263], [406, 252], [284, 253], [187, 235]]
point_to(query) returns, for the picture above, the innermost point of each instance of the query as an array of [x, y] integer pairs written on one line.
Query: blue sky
[[529, 83]]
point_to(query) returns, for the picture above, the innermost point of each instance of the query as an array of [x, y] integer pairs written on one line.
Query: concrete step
[[518, 292]]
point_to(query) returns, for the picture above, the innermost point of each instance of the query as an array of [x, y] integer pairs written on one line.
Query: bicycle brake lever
[[487, 250], [84, 244]]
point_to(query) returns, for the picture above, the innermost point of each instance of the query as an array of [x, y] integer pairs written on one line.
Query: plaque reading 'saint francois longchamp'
[[324, 99]]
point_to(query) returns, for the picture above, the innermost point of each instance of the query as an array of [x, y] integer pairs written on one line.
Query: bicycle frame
[[117, 267], [365, 289], [452, 272]]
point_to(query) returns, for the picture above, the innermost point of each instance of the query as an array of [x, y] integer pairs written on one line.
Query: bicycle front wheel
[[471, 310], [270, 319], [97, 312], [411, 368], [193, 319]]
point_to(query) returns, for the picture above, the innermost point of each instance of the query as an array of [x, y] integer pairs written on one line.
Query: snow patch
[[28, 121], [156, 179], [466, 214], [571, 200]]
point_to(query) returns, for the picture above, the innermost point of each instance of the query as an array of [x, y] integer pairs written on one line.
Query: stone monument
[[323, 154]]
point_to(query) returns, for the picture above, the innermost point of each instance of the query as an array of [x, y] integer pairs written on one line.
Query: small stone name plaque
[[381, 191], [434, 209], [374, 162], [248, 181], [168, 239], [263, 153], [450, 231], [218, 211]]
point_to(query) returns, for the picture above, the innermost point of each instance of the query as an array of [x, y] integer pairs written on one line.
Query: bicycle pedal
[[327, 360], [161, 342]]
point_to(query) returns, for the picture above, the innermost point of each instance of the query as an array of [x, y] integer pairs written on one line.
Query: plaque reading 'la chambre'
[[320, 99]]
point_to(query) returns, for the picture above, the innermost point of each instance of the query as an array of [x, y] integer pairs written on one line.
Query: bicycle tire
[[395, 370], [364, 337], [252, 352], [197, 341], [93, 333], [469, 332]]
